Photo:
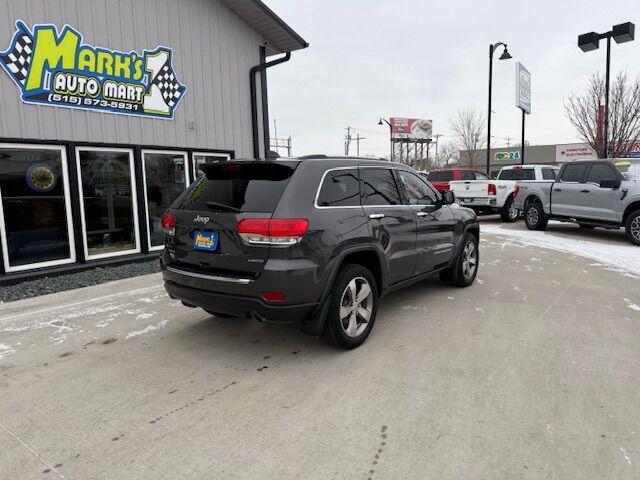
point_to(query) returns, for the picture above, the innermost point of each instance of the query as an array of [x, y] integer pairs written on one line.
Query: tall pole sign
[[523, 100]]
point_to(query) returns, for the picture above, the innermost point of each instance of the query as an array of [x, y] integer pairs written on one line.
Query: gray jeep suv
[[313, 240]]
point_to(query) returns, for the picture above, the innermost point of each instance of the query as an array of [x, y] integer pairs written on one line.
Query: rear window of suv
[[440, 176], [252, 187]]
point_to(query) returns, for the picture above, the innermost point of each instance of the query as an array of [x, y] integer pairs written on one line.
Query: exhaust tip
[[256, 316]]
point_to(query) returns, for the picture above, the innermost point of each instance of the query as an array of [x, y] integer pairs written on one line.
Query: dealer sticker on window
[[207, 241]]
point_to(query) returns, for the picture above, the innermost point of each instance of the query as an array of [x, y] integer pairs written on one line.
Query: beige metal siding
[[213, 51]]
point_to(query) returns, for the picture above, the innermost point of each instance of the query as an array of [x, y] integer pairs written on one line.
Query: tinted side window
[[549, 174], [574, 173], [340, 189], [467, 175], [506, 175], [600, 172], [526, 174], [418, 192], [378, 187], [480, 176], [440, 176]]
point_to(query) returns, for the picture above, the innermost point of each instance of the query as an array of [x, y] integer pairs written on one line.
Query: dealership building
[[107, 111], [534, 155]]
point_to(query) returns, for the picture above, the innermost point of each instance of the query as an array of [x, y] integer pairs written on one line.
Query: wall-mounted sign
[[41, 178], [523, 88], [574, 151], [510, 155], [411, 128], [58, 69]]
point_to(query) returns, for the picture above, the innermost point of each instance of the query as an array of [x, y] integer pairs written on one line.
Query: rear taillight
[[169, 224], [516, 191], [276, 231], [491, 189]]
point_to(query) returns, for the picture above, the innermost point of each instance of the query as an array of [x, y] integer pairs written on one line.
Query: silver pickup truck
[[594, 193]]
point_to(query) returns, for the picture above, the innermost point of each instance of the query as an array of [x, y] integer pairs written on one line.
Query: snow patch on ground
[[632, 305], [619, 258], [6, 350], [148, 329]]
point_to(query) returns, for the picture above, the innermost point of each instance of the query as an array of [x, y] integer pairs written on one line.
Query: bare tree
[[468, 127], [448, 153], [624, 114]]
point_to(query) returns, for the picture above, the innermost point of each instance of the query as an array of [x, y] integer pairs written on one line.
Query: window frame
[[134, 202], [395, 179], [406, 196], [614, 171], [187, 181], [223, 156], [319, 189], [584, 176], [68, 211]]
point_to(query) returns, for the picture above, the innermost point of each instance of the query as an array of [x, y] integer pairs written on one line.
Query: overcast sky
[[428, 59]]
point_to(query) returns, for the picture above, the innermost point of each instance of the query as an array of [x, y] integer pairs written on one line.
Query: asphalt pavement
[[532, 372]]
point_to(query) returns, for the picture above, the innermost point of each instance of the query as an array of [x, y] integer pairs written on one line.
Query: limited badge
[[41, 178]]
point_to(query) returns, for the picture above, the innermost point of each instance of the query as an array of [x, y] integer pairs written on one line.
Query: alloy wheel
[[469, 259], [356, 307], [532, 215], [513, 212], [635, 228]]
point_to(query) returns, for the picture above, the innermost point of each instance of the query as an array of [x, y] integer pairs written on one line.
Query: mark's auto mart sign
[[58, 69]]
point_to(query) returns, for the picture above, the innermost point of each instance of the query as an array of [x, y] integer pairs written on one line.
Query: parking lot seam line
[[75, 304], [483, 385], [37, 455]]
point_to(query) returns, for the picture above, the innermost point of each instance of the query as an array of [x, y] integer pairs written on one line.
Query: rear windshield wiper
[[222, 207]]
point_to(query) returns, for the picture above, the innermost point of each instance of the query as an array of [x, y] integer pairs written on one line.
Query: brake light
[[276, 231], [169, 224], [516, 191], [491, 189]]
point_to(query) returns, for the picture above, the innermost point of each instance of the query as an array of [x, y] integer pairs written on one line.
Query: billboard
[[523, 88], [411, 128]]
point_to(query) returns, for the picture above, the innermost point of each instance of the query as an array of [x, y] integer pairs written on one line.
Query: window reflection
[[108, 201], [32, 185], [165, 177]]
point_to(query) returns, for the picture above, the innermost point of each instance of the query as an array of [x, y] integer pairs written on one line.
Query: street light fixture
[[505, 56], [380, 120], [588, 42]]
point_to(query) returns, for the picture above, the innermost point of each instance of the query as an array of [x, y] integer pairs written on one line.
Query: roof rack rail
[[311, 157]]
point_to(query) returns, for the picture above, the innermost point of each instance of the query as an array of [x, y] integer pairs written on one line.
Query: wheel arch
[[366, 256], [632, 207]]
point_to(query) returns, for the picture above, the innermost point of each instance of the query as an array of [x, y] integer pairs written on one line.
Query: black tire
[[586, 226], [534, 216], [457, 274], [632, 227], [508, 213], [334, 332]]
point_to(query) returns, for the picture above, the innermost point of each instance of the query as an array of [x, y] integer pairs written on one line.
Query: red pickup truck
[[441, 177]]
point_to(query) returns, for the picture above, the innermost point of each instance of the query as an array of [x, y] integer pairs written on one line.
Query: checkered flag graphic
[[168, 84], [18, 58]]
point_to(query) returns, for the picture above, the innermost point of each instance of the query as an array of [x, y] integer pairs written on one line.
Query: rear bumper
[[477, 201], [239, 306]]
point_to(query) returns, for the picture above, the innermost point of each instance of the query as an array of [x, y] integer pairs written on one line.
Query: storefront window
[[35, 215], [200, 159], [109, 208], [165, 180]]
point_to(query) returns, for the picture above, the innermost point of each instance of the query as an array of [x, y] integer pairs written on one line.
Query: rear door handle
[[376, 215], [585, 191], [557, 189]]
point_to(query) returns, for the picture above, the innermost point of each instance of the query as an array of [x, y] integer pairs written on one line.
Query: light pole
[[625, 32], [380, 120], [505, 56]]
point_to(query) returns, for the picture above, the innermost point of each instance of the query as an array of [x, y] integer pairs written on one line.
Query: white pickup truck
[[496, 196]]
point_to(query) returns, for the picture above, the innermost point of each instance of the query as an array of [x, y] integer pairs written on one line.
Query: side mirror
[[610, 183], [448, 197]]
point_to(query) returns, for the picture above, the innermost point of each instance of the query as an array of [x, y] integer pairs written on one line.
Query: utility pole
[[357, 139], [437, 136], [347, 141]]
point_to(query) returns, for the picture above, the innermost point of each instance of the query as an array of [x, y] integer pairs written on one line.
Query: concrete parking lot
[[533, 372]]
